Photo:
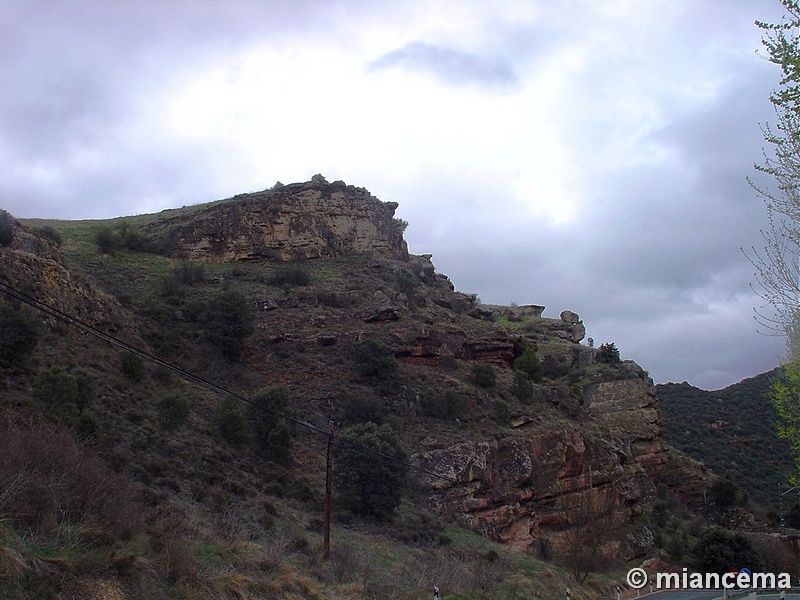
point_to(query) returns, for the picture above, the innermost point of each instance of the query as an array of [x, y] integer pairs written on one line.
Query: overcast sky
[[589, 155]]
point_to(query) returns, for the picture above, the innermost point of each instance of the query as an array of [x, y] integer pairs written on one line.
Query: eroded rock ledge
[[315, 219]]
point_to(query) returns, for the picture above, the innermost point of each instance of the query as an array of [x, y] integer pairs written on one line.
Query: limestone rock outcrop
[[315, 219], [34, 264]]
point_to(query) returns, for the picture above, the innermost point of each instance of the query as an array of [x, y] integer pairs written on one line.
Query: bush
[[230, 421], [131, 366], [267, 425], [370, 469], [363, 408], [227, 322], [522, 388], [290, 275], [185, 273], [373, 359], [502, 414], [62, 394], [49, 233], [608, 353], [111, 239], [173, 410], [483, 375], [19, 336], [6, 231], [719, 551], [449, 407], [48, 479], [528, 363]]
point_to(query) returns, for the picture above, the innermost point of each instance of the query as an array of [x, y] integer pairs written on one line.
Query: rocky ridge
[[315, 219], [525, 485]]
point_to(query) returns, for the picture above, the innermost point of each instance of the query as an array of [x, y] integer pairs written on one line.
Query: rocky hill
[[733, 430], [513, 427]]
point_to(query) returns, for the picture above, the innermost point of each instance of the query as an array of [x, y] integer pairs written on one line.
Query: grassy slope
[[211, 519]]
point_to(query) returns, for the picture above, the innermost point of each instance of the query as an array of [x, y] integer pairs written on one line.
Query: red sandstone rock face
[[524, 489]]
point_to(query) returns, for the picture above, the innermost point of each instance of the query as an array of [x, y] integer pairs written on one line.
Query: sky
[[589, 155]]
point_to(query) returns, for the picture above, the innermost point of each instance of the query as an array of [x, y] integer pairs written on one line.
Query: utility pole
[[326, 544]]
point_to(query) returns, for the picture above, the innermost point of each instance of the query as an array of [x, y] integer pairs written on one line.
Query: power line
[[86, 328]]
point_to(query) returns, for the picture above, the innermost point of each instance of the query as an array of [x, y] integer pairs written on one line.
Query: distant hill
[[731, 430]]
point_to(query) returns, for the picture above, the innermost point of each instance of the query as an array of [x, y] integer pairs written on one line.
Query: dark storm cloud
[[448, 65]]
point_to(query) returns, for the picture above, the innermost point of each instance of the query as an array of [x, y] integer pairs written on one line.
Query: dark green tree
[[373, 359], [19, 336], [608, 353], [522, 388], [501, 413], [132, 366], [230, 420], [483, 375], [227, 322], [363, 407], [370, 469], [449, 406], [266, 416], [718, 551], [528, 363], [173, 410], [724, 493], [6, 231], [59, 394]]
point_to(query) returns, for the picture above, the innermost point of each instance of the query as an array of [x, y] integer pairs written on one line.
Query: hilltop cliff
[[315, 219]]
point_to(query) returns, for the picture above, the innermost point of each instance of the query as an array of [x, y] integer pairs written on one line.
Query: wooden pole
[[326, 544]]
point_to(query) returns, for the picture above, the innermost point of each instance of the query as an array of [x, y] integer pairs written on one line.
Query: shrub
[[363, 408], [267, 425], [189, 273], [131, 366], [227, 322], [290, 275], [173, 410], [528, 363], [107, 240], [448, 362], [608, 353], [58, 392], [522, 388], [111, 239], [19, 336], [230, 421], [449, 407], [483, 375], [373, 359], [370, 469], [502, 414], [719, 550], [186, 273], [406, 282], [48, 479], [49, 233], [6, 231]]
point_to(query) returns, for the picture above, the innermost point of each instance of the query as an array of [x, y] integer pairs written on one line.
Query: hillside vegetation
[[732, 431], [164, 419]]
